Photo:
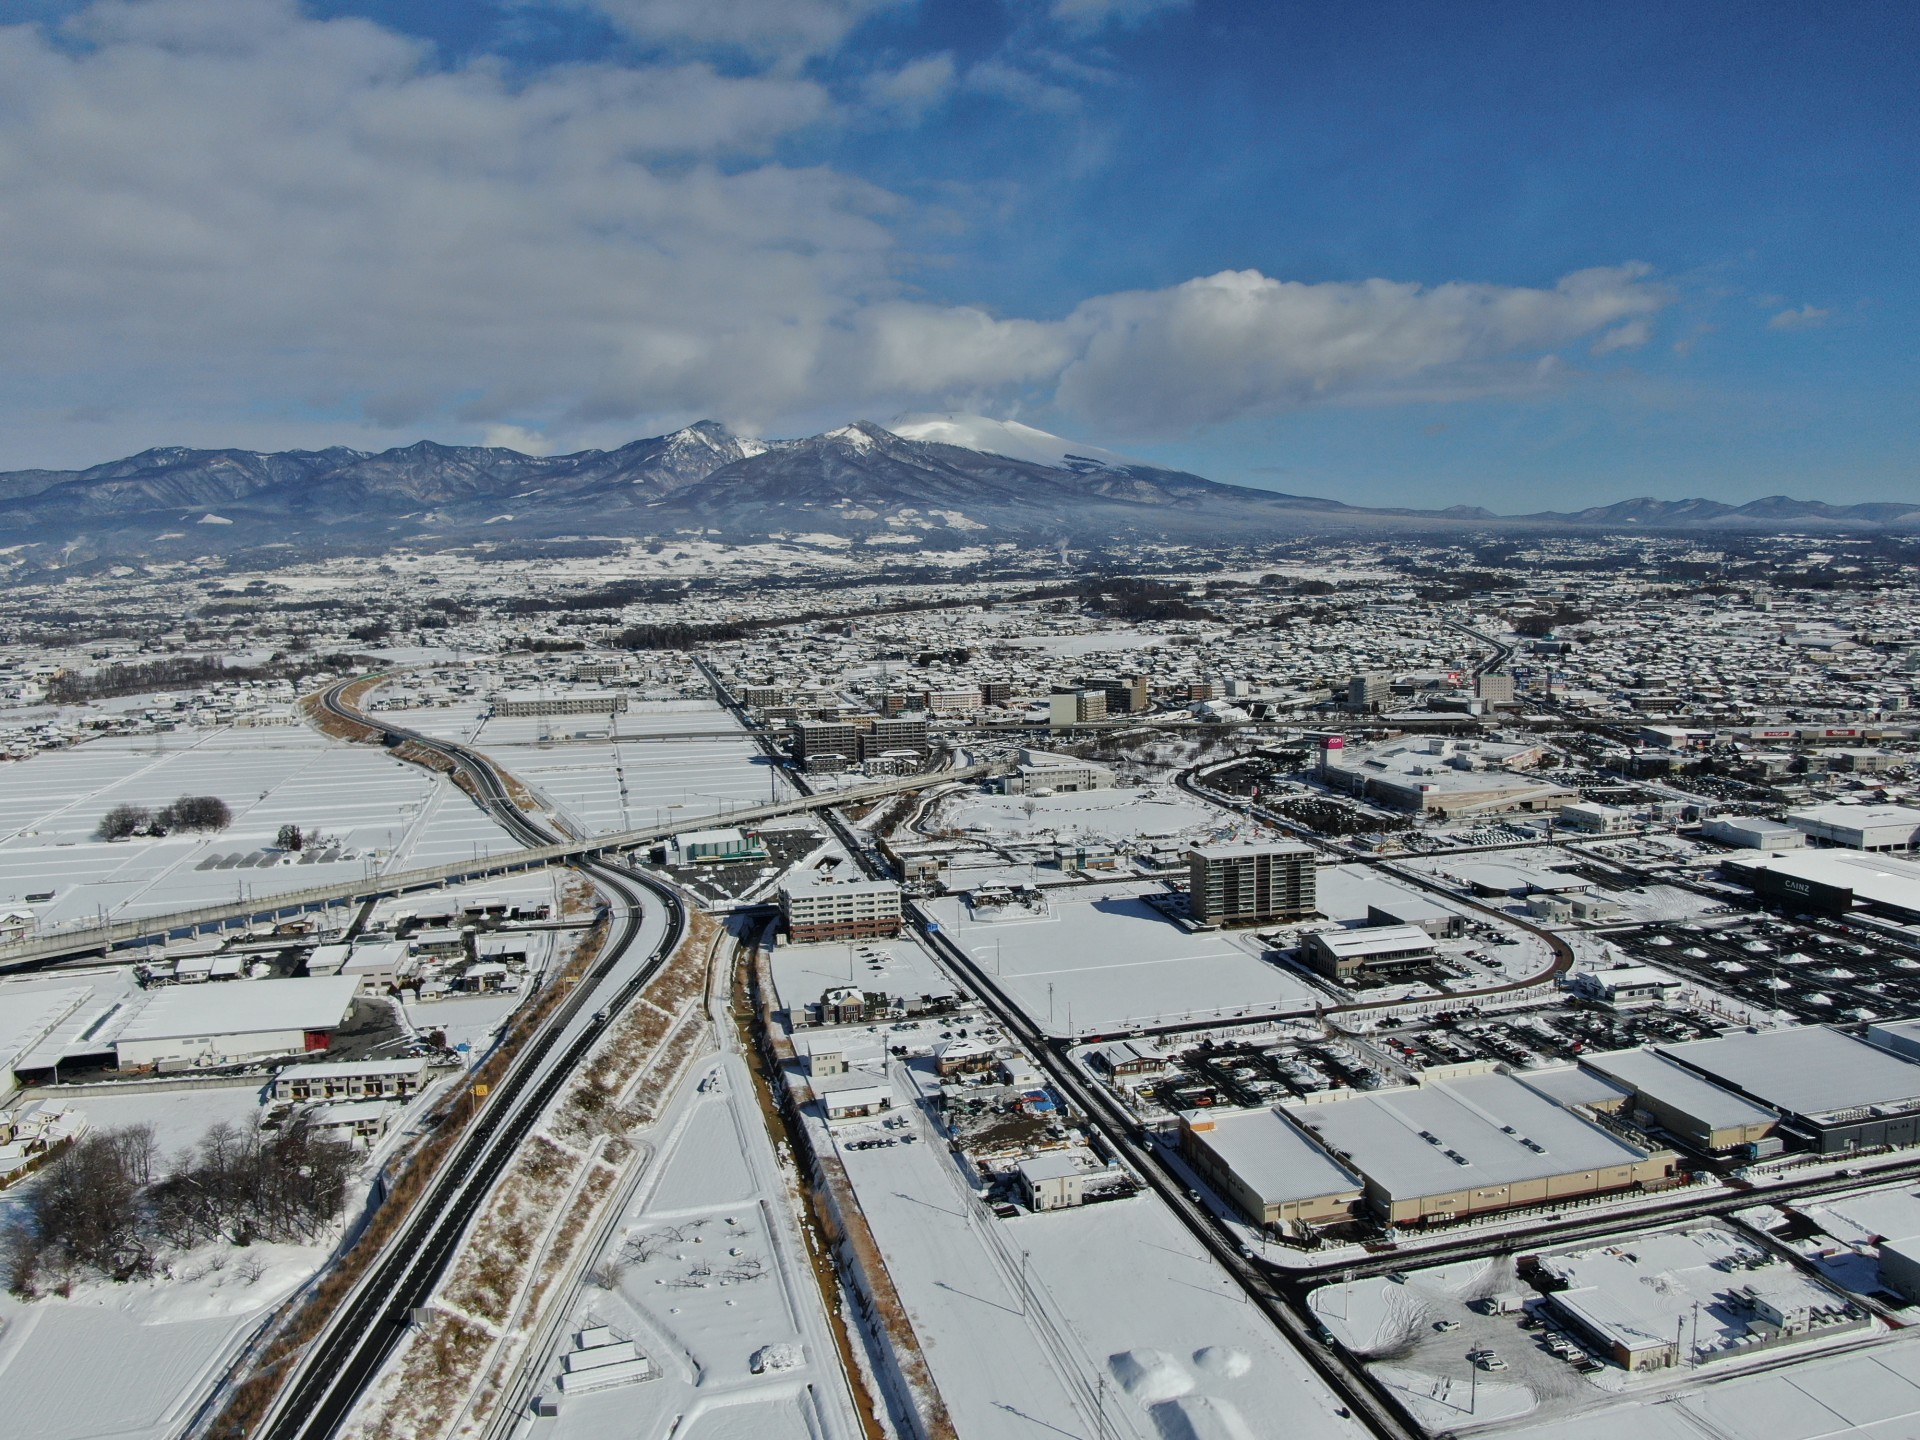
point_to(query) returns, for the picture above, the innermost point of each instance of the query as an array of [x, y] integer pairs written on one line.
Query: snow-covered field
[[366, 800], [1120, 815], [1105, 960], [580, 767], [710, 1276], [131, 1361], [1106, 1320]]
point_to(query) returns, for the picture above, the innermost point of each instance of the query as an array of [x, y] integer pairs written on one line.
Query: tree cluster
[[189, 812], [1540, 624], [178, 672], [105, 1209]]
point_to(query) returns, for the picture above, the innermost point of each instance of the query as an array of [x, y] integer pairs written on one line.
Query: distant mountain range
[[937, 479]]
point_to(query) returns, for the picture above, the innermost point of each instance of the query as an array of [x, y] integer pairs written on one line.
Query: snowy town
[[803, 1026]]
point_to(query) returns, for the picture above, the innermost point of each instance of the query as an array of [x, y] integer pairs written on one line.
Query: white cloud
[[517, 437], [1803, 317], [1095, 14], [1630, 336], [1239, 343], [227, 222], [911, 91], [772, 29], [1021, 87]]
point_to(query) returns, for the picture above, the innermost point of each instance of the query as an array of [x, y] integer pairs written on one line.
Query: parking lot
[[1831, 973], [1553, 1034], [1249, 1073]]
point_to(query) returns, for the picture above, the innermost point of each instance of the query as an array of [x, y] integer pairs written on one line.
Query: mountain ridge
[[860, 480]]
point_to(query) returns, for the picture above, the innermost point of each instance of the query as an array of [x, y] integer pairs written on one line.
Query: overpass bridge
[[45, 950]]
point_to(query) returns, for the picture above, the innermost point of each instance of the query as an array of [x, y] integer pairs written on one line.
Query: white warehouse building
[[229, 1024], [1860, 827]]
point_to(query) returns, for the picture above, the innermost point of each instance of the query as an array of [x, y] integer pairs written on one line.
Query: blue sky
[[1502, 254]]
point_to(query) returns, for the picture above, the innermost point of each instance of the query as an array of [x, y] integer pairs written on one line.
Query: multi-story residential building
[[1248, 884], [852, 910]]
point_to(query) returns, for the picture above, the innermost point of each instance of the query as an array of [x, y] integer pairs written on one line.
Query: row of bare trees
[[107, 1208]]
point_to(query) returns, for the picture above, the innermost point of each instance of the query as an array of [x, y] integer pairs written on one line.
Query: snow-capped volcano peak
[[1000, 437]]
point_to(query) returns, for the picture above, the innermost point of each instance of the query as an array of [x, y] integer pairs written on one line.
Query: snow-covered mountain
[[934, 479]]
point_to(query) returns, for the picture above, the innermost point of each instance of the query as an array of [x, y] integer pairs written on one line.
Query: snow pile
[[1150, 1376], [769, 1358], [1222, 1361]]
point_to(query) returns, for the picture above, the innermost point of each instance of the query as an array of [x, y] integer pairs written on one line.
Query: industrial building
[[1475, 1143], [182, 1026], [1250, 884], [520, 703], [1833, 1092], [850, 910], [1749, 832], [1267, 1169], [1877, 828], [1375, 950], [1693, 1110], [1832, 881]]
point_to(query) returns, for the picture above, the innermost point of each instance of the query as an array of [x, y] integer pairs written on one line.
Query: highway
[[648, 922], [1503, 651]]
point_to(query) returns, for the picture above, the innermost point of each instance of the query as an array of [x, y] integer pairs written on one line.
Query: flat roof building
[[1750, 832], [1472, 1144], [1832, 881], [520, 703], [1879, 828], [851, 910], [1344, 954], [1249, 884], [1623, 986], [1693, 1110], [1268, 1169], [1840, 1093], [351, 1080], [229, 1024]]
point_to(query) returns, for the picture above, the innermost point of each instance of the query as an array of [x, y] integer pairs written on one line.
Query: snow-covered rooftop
[[242, 1007], [1485, 1120], [1811, 1071]]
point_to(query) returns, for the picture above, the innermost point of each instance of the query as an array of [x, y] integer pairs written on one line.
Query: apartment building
[[851, 910], [1249, 884]]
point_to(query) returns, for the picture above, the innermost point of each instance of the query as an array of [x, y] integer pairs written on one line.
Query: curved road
[[336, 1368]]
